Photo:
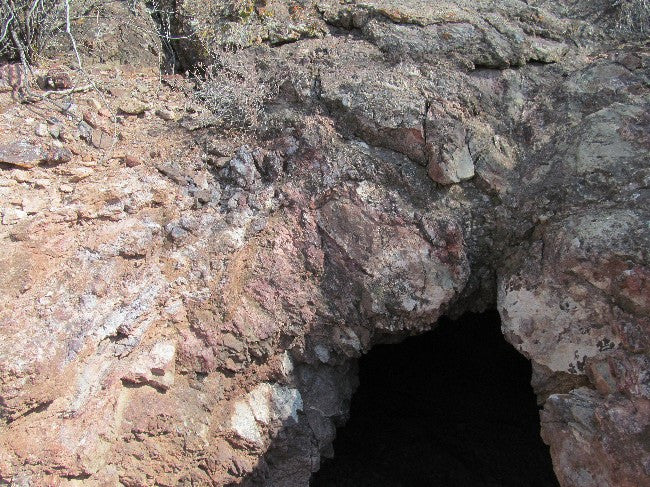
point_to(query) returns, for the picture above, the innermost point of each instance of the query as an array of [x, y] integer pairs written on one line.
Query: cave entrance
[[452, 407]]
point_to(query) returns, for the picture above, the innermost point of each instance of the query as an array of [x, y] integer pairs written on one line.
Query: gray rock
[[41, 130], [21, 154], [165, 114]]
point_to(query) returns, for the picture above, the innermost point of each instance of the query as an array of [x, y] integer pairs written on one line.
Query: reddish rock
[[58, 79], [131, 160], [90, 119], [101, 139]]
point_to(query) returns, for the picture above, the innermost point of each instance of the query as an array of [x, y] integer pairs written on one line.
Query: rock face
[[197, 320]]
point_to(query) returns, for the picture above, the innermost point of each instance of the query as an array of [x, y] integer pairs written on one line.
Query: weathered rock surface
[[195, 319]]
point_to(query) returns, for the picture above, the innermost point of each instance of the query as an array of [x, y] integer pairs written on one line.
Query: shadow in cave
[[452, 407]]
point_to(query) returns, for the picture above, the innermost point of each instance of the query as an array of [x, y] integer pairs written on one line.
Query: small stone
[[167, 115], [71, 109], [104, 112], [85, 131], [12, 215], [65, 135], [32, 205], [132, 106], [90, 119], [21, 176], [173, 172], [177, 233], [42, 130], [58, 155], [80, 173], [55, 131], [131, 161], [58, 79], [89, 163], [101, 140], [94, 103], [66, 188]]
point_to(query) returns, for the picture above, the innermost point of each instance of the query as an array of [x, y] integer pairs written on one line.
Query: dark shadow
[[452, 407]]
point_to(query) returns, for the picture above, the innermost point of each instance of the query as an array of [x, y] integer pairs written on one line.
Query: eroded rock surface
[[195, 318]]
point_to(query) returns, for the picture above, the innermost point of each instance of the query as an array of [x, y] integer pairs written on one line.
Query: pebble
[[167, 115], [58, 155], [65, 135], [22, 176], [66, 188], [90, 119], [177, 233], [101, 140], [94, 103], [55, 131], [80, 173], [32, 205], [131, 161], [71, 110], [85, 131], [12, 215], [42, 130], [132, 106]]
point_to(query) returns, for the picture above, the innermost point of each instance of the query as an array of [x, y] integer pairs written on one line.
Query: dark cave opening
[[452, 407]]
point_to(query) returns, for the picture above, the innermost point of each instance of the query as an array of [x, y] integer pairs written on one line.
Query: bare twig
[[90, 80], [69, 32], [5, 29], [76, 89]]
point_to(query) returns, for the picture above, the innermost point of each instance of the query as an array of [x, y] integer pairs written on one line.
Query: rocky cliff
[[188, 308]]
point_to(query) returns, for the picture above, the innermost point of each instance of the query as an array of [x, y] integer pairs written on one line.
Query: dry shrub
[[235, 89], [28, 26]]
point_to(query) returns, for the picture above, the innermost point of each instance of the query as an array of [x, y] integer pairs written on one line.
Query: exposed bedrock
[[421, 159]]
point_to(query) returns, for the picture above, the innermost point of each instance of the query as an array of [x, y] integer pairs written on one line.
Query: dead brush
[[234, 89], [27, 26]]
